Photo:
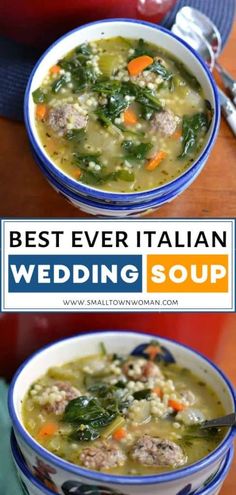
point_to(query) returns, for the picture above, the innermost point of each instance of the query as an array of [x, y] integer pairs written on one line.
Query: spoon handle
[[228, 110], [229, 420], [228, 80]]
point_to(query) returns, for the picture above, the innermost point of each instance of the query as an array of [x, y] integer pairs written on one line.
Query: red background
[[23, 333], [39, 22]]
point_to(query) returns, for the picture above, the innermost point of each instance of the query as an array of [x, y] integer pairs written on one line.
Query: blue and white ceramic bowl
[[32, 486], [131, 29], [59, 471]]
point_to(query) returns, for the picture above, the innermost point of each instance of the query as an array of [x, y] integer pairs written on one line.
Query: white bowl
[[32, 486], [121, 342], [130, 29]]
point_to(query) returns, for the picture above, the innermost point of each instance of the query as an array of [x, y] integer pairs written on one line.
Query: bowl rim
[[113, 195], [110, 478], [214, 483]]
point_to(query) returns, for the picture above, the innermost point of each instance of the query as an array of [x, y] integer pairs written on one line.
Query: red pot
[[23, 333], [39, 22]]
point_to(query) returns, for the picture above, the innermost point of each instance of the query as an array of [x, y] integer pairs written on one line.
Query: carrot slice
[[55, 69], [176, 135], [119, 434], [77, 174], [138, 64], [130, 117], [48, 430], [158, 391], [41, 110], [154, 162], [152, 351], [177, 406]]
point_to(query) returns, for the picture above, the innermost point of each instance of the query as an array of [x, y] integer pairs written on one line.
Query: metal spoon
[[201, 45], [203, 25], [196, 41], [228, 81], [193, 18], [228, 420]]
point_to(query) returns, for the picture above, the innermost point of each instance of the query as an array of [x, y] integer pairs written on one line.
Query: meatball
[[54, 398], [151, 451], [65, 117], [104, 456], [141, 369], [165, 122]]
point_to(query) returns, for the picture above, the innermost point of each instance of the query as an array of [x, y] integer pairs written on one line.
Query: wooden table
[[25, 193]]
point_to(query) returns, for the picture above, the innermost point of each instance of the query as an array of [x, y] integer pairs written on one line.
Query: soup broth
[[130, 415], [121, 115]]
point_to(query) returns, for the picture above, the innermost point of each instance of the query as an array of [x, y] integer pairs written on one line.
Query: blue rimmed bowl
[[33, 486], [130, 29], [59, 471]]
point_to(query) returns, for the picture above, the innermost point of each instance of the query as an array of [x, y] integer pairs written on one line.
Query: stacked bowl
[[41, 471], [90, 199]]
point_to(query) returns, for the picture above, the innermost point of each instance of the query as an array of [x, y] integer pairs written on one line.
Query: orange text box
[[187, 273]]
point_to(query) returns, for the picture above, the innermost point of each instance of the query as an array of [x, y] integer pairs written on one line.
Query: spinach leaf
[[191, 128], [142, 394], [81, 77], [80, 68], [83, 410], [84, 49], [147, 99], [126, 175], [89, 415], [75, 135], [100, 389], [69, 64], [195, 432], [161, 70], [120, 384], [108, 113], [190, 79], [106, 86], [142, 48], [84, 434], [83, 159], [136, 151], [141, 95], [101, 112], [146, 113], [59, 83], [39, 96], [92, 176], [116, 92], [116, 104]]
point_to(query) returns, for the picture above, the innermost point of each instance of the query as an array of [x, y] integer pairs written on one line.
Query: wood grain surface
[[24, 192]]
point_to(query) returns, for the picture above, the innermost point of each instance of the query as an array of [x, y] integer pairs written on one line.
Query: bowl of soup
[[122, 411], [33, 486], [121, 112]]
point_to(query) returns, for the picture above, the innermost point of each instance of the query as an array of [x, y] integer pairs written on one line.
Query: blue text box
[[101, 268]]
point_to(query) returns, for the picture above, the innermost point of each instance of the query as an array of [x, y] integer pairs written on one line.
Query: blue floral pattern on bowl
[[162, 354], [76, 488], [186, 490]]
